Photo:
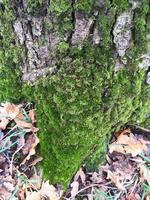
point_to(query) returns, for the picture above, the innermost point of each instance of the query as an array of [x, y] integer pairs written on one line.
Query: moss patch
[[79, 107], [141, 25], [10, 56]]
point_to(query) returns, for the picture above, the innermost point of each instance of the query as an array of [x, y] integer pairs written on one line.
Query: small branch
[[11, 163], [92, 185], [142, 128]]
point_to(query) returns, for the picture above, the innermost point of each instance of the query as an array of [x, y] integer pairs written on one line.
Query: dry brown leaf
[[133, 196], [75, 187], [116, 147], [13, 112], [80, 174], [127, 130], [4, 193], [96, 178], [36, 181], [32, 115], [128, 144], [28, 127], [49, 191], [147, 197], [28, 144], [34, 162], [145, 173], [115, 179], [90, 196], [22, 194], [33, 196], [7, 186], [32, 150], [10, 110], [3, 123]]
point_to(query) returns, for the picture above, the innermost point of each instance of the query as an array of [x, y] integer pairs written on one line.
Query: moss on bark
[[85, 101]]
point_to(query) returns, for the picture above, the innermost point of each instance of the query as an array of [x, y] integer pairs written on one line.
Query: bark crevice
[[29, 30]]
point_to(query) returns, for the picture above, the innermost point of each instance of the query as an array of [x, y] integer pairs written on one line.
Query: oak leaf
[[32, 150], [128, 143]]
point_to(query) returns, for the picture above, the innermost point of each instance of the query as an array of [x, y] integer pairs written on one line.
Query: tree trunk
[[84, 64]]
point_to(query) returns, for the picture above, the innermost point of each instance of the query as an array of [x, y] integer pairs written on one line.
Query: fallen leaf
[[36, 181], [127, 130], [128, 144], [49, 191], [133, 196], [7, 186], [28, 144], [32, 149], [32, 115], [34, 162], [96, 178], [28, 127], [145, 173], [116, 180], [90, 196], [80, 174], [147, 197], [33, 196], [3, 123], [4, 193], [75, 187], [9, 110], [116, 147]]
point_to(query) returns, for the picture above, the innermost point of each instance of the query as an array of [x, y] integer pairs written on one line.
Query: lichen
[[122, 32]]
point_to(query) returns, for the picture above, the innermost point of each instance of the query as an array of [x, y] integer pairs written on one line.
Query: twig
[[34, 162], [8, 132], [135, 184], [137, 161], [142, 128], [92, 185], [11, 163]]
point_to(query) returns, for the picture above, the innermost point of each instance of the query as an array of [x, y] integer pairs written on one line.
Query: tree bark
[[85, 65]]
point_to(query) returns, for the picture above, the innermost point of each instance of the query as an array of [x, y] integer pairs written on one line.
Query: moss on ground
[[79, 107]]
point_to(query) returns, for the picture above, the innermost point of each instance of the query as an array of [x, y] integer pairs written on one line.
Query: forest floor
[[125, 175]]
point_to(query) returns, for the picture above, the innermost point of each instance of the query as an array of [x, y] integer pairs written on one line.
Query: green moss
[[78, 108], [148, 31], [82, 105], [105, 24], [84, 5], [62, 47], [61, 10], [10, 56], [34, 5], [59, 6], [120, 5], [140, 29]]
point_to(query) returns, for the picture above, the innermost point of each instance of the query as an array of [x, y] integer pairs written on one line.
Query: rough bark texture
[[84, 63]]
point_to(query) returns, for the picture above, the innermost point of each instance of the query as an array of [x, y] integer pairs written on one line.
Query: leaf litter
[[19, 177], [125, 176]]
